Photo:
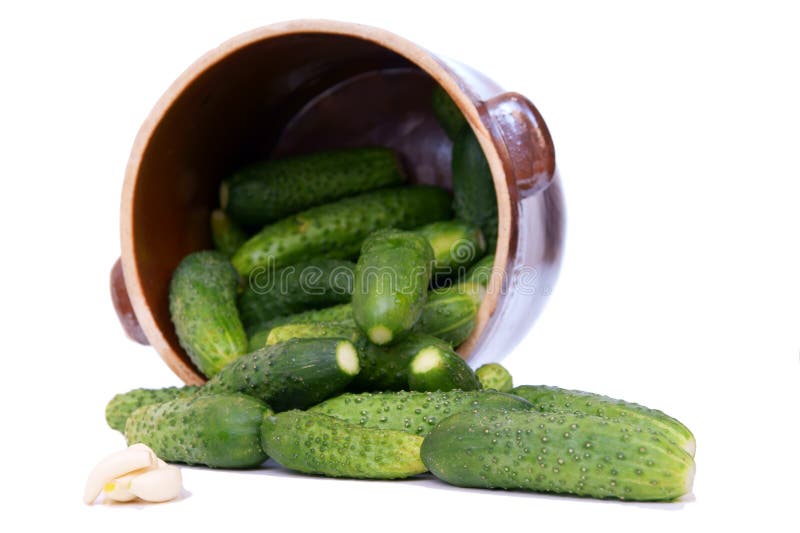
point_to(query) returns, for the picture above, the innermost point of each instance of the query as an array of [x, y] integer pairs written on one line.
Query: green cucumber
[[456, 245], [313, 443], [450, 313], [120, 407], [494, 376], [292, 375], [202, 305], [323, 330], [474, 197], [260, 332], [548, 399], [447, 112], [295, 288], [439, 368], [270, 190], [225, 233], [412, 412], [341, 226], [391, 284], [220, 431], [482, 273], [562, 453]]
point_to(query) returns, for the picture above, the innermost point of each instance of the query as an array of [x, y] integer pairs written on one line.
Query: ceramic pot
[[305, 85]]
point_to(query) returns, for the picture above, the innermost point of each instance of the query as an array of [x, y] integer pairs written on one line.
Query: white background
[[676, 131]]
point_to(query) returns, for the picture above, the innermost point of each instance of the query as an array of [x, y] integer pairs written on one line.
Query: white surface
[[677, 136]]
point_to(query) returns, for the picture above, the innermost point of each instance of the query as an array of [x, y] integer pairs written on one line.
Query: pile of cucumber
[[327, 320]]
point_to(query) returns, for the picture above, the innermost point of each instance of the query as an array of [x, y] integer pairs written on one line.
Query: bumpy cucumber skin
[[202, 304], [391, 283], [318, 444], [120, 407], [563, 453], [324, 330], [450, 313], [292, 375], [456, 245], [267, 191], [450, 372], [447, 112], [548, 399], [481, 272], [495, 376], [220, 431], [341, 226], [412, 412], [474, 197], [295, 288], [225, 233], [336, 313]]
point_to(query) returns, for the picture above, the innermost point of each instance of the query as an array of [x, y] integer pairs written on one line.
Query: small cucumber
[[482, 273], [336, 313], [450, 313], [556, 400], [225, 233], [320, 330], [563, 453], [456, 245], [340, 227], [220, 431], [494, 376], [295, 288], [202, 304], [412, 412], [474, 197], [447, 112], [122, 405], [313, 443], [439, 368], [391, 284], [267, 191], [292, 375]]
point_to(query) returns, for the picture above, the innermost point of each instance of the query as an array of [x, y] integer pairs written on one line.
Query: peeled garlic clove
[[117, 489], [157, 485], [114, 466]]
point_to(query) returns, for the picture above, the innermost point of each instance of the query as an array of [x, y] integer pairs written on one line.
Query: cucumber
[[456, 245], [220, 431], [494, 376], [391, 284], [336, 313], [412, 412], [295, 288], [313, 443], [447, 112], [323, 330], [122, 405], [270, 190], [292, 375], [556, 400], [563, 453], [385, 368], [482, 273], [202, 305], [341, 226], [439, 368], [474, 197], [225, 233], [450, 313]]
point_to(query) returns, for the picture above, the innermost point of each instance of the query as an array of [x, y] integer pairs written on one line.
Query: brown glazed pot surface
[[305, 85]]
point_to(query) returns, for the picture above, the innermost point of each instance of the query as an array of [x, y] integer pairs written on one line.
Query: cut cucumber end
[[380, 335], [426, 360], [347, 358], [690, 446], [689, 479]]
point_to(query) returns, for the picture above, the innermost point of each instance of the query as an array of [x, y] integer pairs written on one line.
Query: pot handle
[[523, 132], [123, 307]]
